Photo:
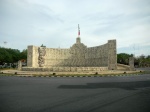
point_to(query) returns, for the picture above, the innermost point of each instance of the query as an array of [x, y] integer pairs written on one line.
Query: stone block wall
[[78, 55], [66, 69]]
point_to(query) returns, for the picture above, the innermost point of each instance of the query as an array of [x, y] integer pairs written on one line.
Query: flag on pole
[[78, 30]]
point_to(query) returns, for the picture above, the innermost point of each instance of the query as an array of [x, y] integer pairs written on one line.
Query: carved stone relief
[[41, 59]]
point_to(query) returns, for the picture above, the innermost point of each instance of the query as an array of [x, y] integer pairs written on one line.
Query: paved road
[[88, 94], [145, 68]]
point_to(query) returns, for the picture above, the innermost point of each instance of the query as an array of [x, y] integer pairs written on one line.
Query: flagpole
[[78, 31], [78, 38]]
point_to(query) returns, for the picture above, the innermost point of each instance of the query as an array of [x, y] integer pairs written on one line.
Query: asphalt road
[[88, 94]]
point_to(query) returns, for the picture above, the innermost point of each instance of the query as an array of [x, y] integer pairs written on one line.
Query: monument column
[[30, 56], [19, 65], [112, 56], [131, 63], [78, 40]]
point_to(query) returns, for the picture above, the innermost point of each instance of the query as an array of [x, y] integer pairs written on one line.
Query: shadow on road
[[121, 85]]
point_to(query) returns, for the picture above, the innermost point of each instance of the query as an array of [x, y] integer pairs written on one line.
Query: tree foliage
[[123, 58], [8, 55], [140, 61], [143, 61]]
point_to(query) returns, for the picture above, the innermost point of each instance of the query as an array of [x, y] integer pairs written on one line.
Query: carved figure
[[41, 59]]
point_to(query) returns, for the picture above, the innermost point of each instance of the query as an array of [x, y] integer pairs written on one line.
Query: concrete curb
[[75, 76], [24, 74]]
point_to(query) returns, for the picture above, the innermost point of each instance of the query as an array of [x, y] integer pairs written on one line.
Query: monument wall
[[78, 55]]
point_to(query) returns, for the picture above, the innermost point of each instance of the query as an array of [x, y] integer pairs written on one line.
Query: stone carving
[[41, 59]]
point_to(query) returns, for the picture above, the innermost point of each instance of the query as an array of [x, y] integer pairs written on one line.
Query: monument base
[[65, 69]]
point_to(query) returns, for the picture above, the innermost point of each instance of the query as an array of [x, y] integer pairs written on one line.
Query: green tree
[[144, 61], [23, 54], [123, 58], [8, 55]]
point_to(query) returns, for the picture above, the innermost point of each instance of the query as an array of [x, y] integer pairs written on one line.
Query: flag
[[78, 30]]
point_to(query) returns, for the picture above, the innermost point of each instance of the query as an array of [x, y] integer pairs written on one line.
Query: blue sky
[[54, 23]]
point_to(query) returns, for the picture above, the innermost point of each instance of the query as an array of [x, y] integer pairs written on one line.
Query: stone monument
[[131, 63], [78, 57], [19, 65]]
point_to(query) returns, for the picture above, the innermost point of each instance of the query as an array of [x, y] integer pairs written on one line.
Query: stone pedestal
[[131, 63], [19, 65]]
